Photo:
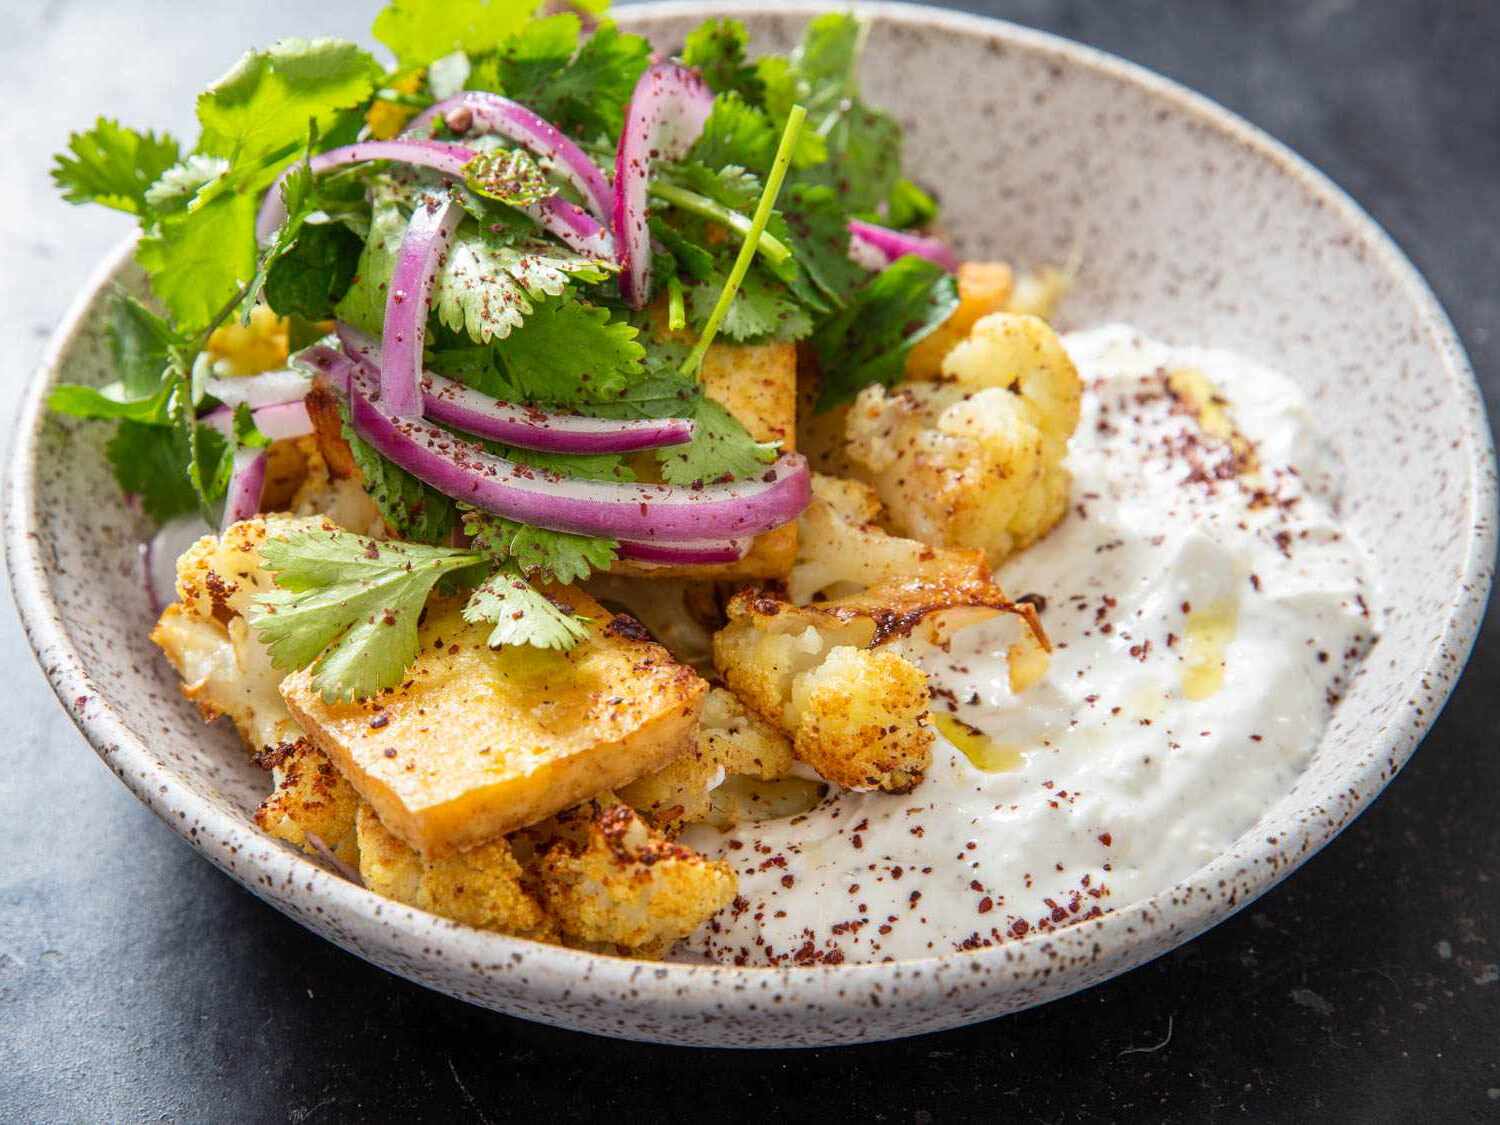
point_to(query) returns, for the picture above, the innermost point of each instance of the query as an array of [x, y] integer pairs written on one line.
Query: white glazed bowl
[[1195, 227]]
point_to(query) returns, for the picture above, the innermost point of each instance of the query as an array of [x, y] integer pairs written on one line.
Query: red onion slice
[[571, 225], [699, 552], [330, 363], [867, 241], [490, 113], [159, 557], [635, 511], [665, 116], [423, 248], [245, 484], [265, 389], [278, 422], [527, 427]]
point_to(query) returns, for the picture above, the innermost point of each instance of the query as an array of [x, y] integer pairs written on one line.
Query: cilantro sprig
[[349, 607]]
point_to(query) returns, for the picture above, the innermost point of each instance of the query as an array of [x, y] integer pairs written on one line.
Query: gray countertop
[[138, 983]]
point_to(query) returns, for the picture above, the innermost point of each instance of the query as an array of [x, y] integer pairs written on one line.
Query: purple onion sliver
[[245, 483], [279, 422], [159, 557], [265, 389], [893, 244], [611, 509], [665, 116], [699, 553], [423, 248], [527, 427], [494, 114]]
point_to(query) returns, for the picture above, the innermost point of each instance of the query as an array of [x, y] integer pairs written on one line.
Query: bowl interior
[[1188, 224]]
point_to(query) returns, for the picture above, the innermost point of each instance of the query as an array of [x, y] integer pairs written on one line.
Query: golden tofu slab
[[479, 742], [757, 383]]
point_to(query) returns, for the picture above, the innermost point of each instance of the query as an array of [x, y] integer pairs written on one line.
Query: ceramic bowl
[[1194, 226]]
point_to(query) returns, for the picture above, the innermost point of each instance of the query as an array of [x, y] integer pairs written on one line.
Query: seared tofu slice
[[757, 383], [479, 742]]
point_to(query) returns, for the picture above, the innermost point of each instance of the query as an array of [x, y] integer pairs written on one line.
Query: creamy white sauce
[[1169, 573]]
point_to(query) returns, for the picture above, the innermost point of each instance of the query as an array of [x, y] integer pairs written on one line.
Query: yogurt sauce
[[1206, 612]]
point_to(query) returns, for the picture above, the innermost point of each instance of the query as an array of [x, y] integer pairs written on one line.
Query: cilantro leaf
[[110, 401], [419, 31], [313, 275], [531, 57], [568, 352], [867, 342], [348, 606], [177, 186], [717, 48], [488, 281], [113, 165], [148, 462], [736, 133], [817, 227], [414, 510], [553, 556], [198, 260], [511, 176], [762, 308], [909, 206], [141, 343], [522, 615], [720, 450], [364, 304], [208, 456], [264, 104], [584, 95]]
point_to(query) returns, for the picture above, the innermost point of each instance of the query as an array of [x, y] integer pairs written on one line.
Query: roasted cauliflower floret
[[983, 288], [841, 549], [975, 461], [618, 882], [481, 887], [861, 720], [730, 742], [220, 575], [226, 671], [311, 807]]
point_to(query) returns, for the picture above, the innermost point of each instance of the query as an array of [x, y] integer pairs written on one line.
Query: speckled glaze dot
[[1191, 225]]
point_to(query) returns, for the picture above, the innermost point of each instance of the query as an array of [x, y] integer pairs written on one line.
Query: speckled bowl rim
[[673, 990]]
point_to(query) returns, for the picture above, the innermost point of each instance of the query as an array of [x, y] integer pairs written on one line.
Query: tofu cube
[[478, 742]]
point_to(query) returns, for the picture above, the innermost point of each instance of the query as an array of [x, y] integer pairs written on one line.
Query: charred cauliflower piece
[[772, 652], [861, 719], [731, 742], [481, 887], [975, 461], [478, 742], [841, 549], [225, 670], [610, 879], [311, 807]]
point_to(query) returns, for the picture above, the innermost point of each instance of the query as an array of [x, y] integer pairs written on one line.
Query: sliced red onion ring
[[318, 845], [527, 427], [690, 553], [159, 557], [639, 512], [571, 225], [665, 116], [266, 389], [330, 363], [490, 113], [868, 240], [278, 422], [423, 249], [245, 484]]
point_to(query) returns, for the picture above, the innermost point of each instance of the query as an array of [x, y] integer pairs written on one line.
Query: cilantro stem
[[676, 311], [742, 262], [768, 244]]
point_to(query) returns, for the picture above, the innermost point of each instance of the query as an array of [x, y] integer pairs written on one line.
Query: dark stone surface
[[137, 983]]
